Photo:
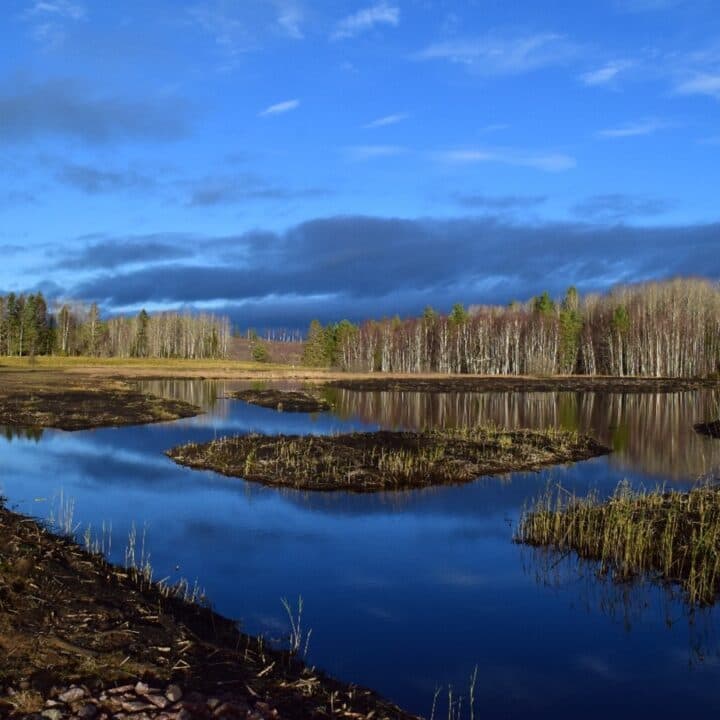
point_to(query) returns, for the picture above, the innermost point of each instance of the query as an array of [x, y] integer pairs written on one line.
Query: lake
[[408, 592]]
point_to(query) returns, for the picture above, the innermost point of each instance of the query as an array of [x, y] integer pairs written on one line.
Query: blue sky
[[280, 159]]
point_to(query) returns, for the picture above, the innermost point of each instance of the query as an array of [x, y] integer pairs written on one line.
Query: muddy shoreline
[[78, 632], [38, 401], [384, 460], [504, 383], [282, 400]]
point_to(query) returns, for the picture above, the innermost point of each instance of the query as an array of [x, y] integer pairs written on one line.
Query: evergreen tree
[[571, 325], [314, 352]]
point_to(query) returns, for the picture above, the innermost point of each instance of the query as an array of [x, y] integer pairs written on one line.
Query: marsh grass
[[364, 462], [670, 535]]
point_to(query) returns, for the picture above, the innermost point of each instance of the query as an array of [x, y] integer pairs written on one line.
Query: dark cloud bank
[[358, 267]]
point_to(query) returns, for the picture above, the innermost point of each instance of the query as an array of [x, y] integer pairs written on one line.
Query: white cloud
[[366, 19], [289, 18], [387, 120], [58, 8], [549, 162], [606, 74], [49, 19], [645, 127], [280, 108], [242, 27], [501, 55], [368, 152], [701, 84]]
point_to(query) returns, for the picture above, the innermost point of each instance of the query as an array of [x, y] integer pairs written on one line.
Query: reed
[[384, 460], [665, 534]]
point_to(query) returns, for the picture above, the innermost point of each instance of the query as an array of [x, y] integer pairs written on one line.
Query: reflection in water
[[203, 394], [583, 583], [650, 433], [9, 432]]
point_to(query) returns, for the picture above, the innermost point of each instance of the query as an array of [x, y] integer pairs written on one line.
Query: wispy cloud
[[58, 8], [497, 202], [290, 18], [62, 107], [606, 74], [386, 120], [636, 129], [368, 152], [49, 19], [245, 188], [94, 181], [280, 108], [700, 84], [616, 207], [496, 54], [549, 162], [366, 19], [242, 27]]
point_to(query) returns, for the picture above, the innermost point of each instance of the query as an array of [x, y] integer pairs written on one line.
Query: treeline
[[659, 329], [28, 328]]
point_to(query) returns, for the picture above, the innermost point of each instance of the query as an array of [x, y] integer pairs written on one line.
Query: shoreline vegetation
[[282, 400], [83, 638], [670, 536], [385, 461]]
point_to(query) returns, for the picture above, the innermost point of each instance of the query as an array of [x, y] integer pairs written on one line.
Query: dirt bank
[[81, 638]]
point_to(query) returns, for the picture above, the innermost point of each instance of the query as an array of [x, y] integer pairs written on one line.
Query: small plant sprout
[[299, 640]]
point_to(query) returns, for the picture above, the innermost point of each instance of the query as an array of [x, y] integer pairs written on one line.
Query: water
[[406, 592]]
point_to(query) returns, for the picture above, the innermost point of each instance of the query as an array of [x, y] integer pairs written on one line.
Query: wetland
[[407, 591]]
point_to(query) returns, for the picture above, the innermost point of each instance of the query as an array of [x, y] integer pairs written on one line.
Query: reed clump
[[669, 535], [365, 462]]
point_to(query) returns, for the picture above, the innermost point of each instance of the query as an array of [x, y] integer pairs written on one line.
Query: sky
[[279, 160]]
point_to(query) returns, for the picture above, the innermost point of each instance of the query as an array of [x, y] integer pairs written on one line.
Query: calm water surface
[[406, 592]]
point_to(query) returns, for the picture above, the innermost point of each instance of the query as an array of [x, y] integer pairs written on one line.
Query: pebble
[[52, 714], [173, 693], [159, 701], [140, 701], [72, 695]]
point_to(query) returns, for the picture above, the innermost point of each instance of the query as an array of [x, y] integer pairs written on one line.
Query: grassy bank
[[77, 632], [672, 536], [366, 462]]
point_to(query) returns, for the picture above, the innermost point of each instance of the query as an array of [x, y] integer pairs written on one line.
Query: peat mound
[[367, 462]]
